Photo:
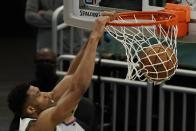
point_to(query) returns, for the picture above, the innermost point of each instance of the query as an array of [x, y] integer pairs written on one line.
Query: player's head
[[27, 101]]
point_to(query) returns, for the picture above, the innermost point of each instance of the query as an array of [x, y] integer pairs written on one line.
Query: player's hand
[[101, 22], [112, 14]]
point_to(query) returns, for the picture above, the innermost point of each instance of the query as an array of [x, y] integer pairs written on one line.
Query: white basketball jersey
[[74, 126]]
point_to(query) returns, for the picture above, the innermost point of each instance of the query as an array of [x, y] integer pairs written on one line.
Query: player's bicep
[[62, 87], [66, 105]]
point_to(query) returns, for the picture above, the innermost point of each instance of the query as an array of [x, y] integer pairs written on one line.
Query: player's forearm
[[76, 61], [59, 90], [85, 69]]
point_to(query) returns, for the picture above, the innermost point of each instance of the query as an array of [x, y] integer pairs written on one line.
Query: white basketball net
[[136, 39]]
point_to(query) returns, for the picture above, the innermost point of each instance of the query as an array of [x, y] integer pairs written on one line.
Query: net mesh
[[151, 50]]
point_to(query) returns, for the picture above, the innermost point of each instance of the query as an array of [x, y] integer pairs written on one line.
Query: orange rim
[[163, 18]]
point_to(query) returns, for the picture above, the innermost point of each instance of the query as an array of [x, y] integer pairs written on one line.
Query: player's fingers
[[111, 14], [107, 13]]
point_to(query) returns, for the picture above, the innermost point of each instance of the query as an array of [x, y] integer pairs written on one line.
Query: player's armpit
[[62, 87], [66, 105]]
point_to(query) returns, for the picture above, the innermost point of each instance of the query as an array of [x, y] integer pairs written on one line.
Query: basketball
[[158, 62]]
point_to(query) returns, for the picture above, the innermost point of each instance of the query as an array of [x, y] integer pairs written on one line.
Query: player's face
[[40, 100]]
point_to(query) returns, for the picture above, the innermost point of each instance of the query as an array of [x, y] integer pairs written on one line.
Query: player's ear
[[30, 110]]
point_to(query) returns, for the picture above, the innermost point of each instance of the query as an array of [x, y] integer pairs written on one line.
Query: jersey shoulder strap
[[26, 123]]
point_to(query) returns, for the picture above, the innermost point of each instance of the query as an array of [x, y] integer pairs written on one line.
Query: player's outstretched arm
[[81, 78], [76, 83], [59, 90]]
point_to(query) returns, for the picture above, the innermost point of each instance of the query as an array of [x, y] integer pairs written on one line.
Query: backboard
[[82, 13]]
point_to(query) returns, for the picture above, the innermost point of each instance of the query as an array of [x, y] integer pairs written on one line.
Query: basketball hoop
[[149, 39]]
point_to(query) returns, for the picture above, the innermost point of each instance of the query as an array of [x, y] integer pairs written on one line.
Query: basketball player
[[54, 111]]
